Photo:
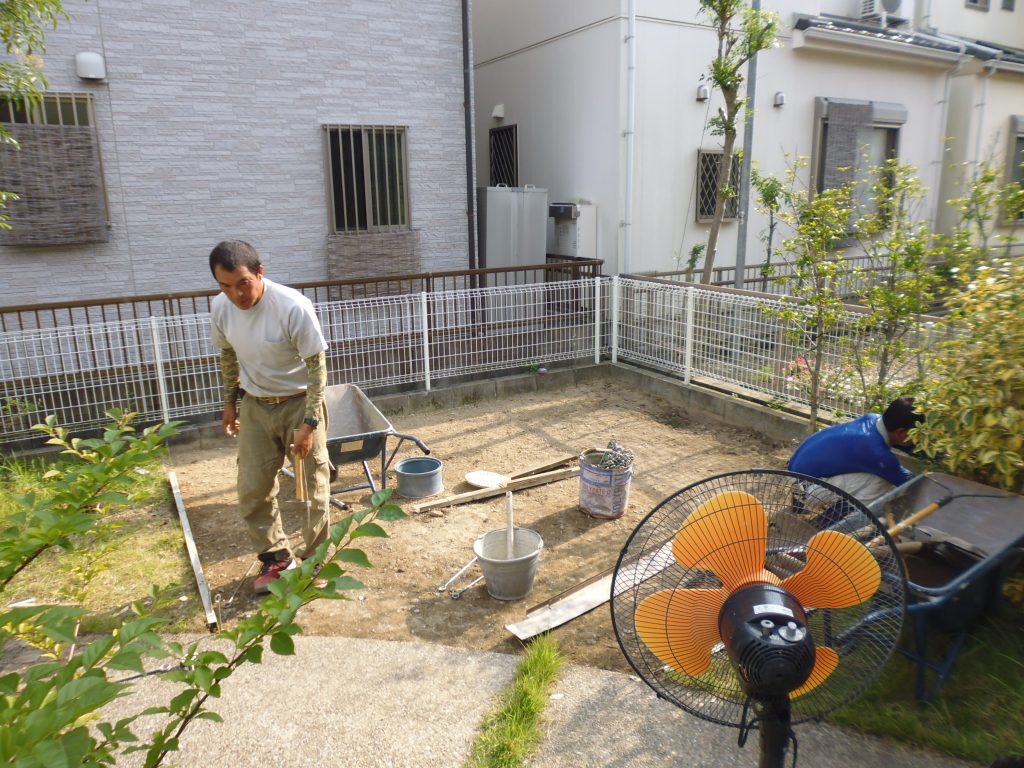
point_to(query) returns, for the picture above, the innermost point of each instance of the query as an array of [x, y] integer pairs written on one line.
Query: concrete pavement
[[384, 704]]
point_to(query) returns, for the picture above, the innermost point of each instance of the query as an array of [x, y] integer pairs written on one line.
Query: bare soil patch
[[401, 601]]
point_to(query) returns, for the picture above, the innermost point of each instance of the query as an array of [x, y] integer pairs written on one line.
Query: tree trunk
[[724, 180]]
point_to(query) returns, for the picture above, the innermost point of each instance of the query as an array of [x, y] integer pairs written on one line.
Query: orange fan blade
[[726, 536], [840, 572], [680, 626], [825, 662]]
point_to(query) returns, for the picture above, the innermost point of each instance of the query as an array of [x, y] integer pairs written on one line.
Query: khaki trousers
[[264, 433]]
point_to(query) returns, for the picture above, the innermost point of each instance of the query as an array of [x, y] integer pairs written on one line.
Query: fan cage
[[797, 506]]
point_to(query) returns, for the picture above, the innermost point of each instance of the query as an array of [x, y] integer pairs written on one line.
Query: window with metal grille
[[1007, 5], [504, 156], [709, 163], [56, 171], [369, 190], [981, 5]]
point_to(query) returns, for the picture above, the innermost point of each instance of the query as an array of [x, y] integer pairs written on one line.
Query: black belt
[[275, 400]]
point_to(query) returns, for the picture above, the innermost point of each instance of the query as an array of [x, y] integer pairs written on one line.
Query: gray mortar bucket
[[419, 477], [509, 579]]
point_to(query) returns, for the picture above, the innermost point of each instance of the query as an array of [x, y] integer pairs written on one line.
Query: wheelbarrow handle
[[419, 443]]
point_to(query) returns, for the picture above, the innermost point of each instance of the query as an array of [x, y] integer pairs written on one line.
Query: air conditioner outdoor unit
[[888, 11]]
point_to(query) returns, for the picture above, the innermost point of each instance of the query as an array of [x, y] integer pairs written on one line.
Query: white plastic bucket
[[604, 492], [507, 579]]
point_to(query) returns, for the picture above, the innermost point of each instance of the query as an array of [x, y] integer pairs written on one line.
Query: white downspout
[[627, 218], [947, 89], [990, 69]]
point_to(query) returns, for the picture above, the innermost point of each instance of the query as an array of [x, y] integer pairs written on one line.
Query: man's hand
[[229, 421], [303, 440]]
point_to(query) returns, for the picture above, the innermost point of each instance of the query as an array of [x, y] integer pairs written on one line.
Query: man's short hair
[[901, 414], [232, 254]]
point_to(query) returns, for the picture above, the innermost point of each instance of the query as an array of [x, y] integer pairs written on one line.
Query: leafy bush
[[50, 711], [973, 399]]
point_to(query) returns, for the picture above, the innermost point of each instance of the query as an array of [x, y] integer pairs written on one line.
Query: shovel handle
[[299, 465], [909, 522]]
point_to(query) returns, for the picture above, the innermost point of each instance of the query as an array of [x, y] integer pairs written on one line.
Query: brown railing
[[60, 314]]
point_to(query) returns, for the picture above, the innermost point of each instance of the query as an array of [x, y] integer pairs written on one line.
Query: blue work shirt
[[857, 446]]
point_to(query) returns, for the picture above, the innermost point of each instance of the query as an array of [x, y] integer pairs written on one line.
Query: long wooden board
[[193, 554], [546, 466], [487, 493], [586, 596]]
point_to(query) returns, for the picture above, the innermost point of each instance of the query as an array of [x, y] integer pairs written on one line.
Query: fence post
[[597, 320], [158, 357], [691, 297], [426, 340], [615, 319]]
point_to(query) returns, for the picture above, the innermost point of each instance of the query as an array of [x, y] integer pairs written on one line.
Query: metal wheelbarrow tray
[[975, 538], [357, 431]]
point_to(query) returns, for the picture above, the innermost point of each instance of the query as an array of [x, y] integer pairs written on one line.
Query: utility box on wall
[[575, 230], [512, 223]]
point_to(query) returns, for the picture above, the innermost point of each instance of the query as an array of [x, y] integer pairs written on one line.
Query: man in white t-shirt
[[273, 362]]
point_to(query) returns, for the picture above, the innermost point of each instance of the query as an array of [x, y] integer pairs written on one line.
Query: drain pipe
[[946, 91], [627, 219], [990, 69], [467, 99], [748, 157]]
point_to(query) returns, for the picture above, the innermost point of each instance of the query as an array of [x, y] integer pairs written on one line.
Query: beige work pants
[[264, 435]]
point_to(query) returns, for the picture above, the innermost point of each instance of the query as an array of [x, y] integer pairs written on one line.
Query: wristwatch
[[314, 423]]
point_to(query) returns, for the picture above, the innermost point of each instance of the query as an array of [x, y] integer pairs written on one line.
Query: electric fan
[[758, 600]]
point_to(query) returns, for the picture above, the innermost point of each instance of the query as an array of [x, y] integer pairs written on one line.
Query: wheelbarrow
[[969, 543], [357, 431]]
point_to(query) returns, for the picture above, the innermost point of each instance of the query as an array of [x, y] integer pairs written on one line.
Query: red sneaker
[[271, 569]]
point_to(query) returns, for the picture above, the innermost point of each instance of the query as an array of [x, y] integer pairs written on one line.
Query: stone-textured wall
[[210, 127]]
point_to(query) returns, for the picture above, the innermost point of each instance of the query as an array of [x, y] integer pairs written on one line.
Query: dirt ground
[[402, 601]]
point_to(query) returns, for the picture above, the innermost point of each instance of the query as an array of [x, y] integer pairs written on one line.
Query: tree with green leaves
[[898, 286], [973, 398], [771, 197], [815, 310], [50, 712], [23, 25], [742, 32]]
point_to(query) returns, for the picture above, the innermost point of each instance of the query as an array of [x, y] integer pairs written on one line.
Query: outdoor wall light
[[780, 99], [703, 92], [90, 66]]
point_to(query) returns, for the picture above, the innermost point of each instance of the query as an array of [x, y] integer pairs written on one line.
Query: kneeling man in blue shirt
[[857, 456]]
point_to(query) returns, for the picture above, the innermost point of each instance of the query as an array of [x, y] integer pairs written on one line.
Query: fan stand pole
[[776, 732]]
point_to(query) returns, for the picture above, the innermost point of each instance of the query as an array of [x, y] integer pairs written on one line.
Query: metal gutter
[[818, 38]]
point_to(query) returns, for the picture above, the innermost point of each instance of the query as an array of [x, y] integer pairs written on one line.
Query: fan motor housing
[[765, 633]]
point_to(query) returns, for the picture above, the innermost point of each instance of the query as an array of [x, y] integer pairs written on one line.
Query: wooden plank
[[487, 493], [562, 611], [587, 596], [546, 466], [193, 554]]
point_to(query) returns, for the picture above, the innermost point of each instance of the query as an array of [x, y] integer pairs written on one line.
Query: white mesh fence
[[165, 368], [741, 340]]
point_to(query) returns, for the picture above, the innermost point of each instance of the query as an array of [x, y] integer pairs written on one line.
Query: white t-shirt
[[272, 339]]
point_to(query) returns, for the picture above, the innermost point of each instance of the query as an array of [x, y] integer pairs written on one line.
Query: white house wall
[[565, 97], [981, 106], [210, 127], [994, 25], [562, 94]]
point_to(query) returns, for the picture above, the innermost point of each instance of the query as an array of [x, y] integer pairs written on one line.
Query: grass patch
[[977, 715], [512, 731], [138, 546]]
